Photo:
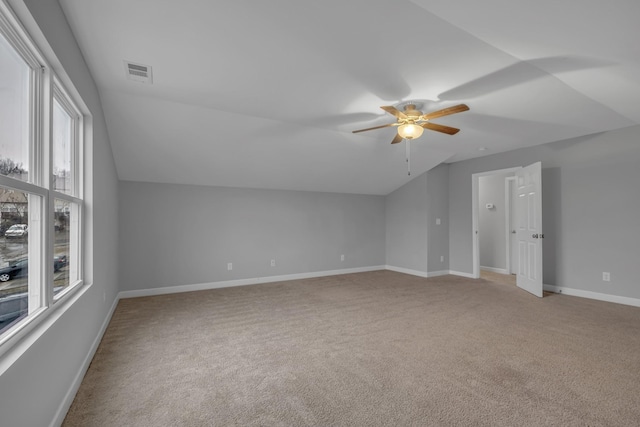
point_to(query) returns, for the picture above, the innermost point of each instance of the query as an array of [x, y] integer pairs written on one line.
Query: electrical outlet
[[441, 258], [342, 257], [229, 266], [273, 263], [606, 276], [437, 221]]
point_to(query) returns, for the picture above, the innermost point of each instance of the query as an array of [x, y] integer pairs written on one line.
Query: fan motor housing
[[410, 110]]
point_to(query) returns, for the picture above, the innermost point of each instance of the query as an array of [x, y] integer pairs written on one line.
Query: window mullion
[[44, 155], [67, 197], [38, 252], [23, 186]]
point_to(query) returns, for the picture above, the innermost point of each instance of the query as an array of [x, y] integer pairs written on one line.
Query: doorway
[[490, 213], [526, 215]]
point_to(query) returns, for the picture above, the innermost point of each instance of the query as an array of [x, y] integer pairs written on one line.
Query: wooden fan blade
[[394, 112], [396, 139], [375, 127], [445, 112], [440, 128]]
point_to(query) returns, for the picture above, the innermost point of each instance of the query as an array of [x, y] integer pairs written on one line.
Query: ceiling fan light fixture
[[410, 130]]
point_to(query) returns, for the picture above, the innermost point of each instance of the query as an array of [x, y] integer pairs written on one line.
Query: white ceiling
[[266, 94]]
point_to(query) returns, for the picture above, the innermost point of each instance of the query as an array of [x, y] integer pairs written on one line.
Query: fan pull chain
[[408, 148]]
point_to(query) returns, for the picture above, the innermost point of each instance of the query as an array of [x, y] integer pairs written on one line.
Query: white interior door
[[529, 228]]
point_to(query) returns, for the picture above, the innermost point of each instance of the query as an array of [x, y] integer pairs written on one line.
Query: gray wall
[[590, 205], [406, 226], [414, 239], [491, 222], [438, 207], [174, 235], [34, 386]]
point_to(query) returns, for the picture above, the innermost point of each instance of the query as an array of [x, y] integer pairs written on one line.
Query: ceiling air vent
[[138, 72]]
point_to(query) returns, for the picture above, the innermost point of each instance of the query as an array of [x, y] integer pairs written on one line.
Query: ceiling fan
[[412, 122]]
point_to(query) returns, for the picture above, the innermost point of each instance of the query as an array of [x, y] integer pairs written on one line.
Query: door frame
[[475, 187], [508, 215]]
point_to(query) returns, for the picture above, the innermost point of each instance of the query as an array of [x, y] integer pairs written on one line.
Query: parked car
[[20, 268], [59, 261], [16, 269], [17, 230]]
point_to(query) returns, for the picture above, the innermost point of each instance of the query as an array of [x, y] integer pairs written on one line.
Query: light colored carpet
[[507, 279], [368, 349]]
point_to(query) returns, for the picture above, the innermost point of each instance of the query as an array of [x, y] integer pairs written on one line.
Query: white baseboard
[[77, 380], [270, 279], [422, 273], [407, 271], [593, 295], [438, 273], [243, 282], [550, 288], [461, 274], [495, 270]]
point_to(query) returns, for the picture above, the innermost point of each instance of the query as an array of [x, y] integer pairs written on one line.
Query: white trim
[[593, 295], [407, 271], [61, 413], [550, 288], [270, 279], [417, 272], [430, 273], [19, 38], [242, 282], [462, 274], [495, 270], [439, 273], [508, 219], [22, 186]]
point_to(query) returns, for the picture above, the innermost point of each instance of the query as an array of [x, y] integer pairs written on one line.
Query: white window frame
[[75, 198], [44, 86]]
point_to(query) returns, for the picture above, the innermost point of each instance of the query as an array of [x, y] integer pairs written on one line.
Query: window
[[63, 145], [41, 188], [15, 76]]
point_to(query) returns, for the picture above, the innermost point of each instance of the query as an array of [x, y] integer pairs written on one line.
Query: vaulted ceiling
[[266, 94]]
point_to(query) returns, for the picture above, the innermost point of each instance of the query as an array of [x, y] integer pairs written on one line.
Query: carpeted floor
[[506, 279], [368, 349]]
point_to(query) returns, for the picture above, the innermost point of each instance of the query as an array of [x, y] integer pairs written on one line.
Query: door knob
[[513, 231], [535, 236]]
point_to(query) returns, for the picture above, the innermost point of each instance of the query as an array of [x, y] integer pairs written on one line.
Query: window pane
[[62, 149], [14, 257], [65, 249], [14, 113]]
